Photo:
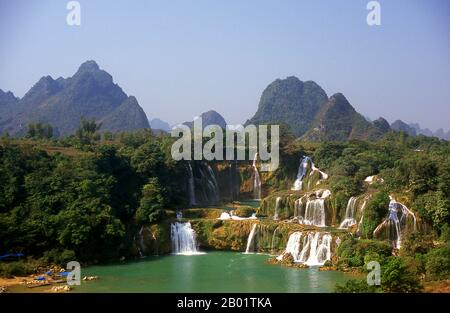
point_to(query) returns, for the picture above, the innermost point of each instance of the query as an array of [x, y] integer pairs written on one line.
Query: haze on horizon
[[182, 58]]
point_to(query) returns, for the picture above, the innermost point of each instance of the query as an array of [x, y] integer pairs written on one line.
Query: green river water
[[210, 272]]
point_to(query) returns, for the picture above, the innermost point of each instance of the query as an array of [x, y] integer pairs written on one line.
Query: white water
[[395, 222], [323, 175], [230, 216], [273, 240], [191, 186], [314, 213], [298, 209], [250, 240], [312, 249], [358, 231], [350, 211], [277, 208], [302, 169], [256, 180], [183, 239]]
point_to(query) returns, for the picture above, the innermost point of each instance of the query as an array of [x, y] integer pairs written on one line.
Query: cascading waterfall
[[191, 186], [312, 249], [395, 222], [256, 180], [302, 169], [298, 214], [314, 213], [213, 185], [251, 240], [183, 239], [350, 211], [277, 208], [358, 231], [273, 240]]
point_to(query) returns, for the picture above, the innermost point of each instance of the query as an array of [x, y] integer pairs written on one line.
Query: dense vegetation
[[82, 198], [86, 196]]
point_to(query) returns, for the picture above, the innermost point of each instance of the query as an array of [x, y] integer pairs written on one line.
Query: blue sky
[[180, 58]]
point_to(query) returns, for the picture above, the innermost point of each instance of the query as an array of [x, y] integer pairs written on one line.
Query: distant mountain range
[[157, 123], [210, 117], [311, 115], [89, 93], [414, 129]]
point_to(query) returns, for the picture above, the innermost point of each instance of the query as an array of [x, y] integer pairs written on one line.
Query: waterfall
[[234, 180], [212, 182], [277, 208], [358, 231], [312, 249], [230, 216], [191, 186], [298, 214], [292, 246], [273, 240], [314, 213], [302, 169], [395, 222], [256, 180], [251, 240], [350, 211], [183, 239], [141, 242]]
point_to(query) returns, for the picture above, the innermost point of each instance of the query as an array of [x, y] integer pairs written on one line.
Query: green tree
[[376, 209], [396, 276], [151, 205], [88, 131], [40, 131]]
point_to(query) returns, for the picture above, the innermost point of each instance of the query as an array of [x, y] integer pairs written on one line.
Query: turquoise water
[[211, 272]]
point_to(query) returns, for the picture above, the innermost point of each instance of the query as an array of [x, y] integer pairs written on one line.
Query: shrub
[[397, 276], [16, 268], [437, 263], [356, 286], [376, 209]]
